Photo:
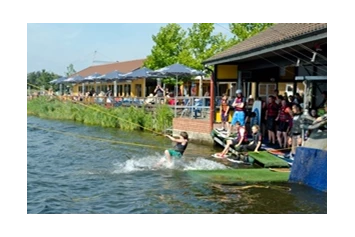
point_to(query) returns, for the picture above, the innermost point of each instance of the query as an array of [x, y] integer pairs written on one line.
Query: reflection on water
[[70, 175]]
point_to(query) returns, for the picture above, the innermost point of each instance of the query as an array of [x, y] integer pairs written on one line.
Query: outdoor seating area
[[114, 89]]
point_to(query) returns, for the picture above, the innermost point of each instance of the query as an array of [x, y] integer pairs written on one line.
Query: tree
[[70, 70], [243, 31], [41, 78], [32, 77], [203, 43], [173, 45], [170, 42]]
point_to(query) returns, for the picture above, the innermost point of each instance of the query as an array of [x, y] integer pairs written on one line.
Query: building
[[138, 87], [285, 57], [272, 60]]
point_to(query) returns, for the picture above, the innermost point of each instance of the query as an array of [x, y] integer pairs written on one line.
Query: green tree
[[170, 42], [203, 43], [243, 31], [173, 45], [70, 70], [32, 77], [41, 78]]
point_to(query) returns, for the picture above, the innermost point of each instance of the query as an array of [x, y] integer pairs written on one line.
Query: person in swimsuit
[[178, 150]]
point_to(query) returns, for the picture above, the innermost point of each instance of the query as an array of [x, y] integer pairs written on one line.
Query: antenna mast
[[99, 61], [93, 59]]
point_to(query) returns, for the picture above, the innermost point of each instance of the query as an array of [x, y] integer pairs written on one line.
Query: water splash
[[203, 164], [136, 164], [151, 163]]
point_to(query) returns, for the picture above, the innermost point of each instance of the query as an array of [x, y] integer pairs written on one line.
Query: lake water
[[70, 174]]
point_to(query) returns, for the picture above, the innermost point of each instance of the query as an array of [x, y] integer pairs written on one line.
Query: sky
[[53, 46]]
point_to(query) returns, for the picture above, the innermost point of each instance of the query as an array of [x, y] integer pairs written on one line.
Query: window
[[120, 90], [127, 90], [266, 89], [138, 91]]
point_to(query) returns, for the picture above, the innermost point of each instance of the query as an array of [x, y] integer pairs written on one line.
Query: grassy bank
[[127, 118]]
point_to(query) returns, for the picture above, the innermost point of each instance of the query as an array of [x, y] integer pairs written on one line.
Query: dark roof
[[123, 67], [276, 34]]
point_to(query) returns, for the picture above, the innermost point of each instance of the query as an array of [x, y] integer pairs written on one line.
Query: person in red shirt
[[272, 111], [240, 139], [283, 117], [172, 99], [254, 145]]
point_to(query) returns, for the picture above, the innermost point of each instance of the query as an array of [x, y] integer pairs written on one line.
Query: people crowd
[[282, 121]]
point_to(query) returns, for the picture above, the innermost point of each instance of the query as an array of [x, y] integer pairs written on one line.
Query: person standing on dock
[[224, 110], [272, 111], [296, 130], [239, 114], [283, 117]]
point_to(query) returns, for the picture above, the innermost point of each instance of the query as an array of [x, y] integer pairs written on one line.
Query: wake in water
[[150, 163]]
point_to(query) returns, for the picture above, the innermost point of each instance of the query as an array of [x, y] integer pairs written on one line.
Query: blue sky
[[54, 46]]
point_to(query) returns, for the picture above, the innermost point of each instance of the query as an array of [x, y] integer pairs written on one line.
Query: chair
[[197, 108], [187, 110]]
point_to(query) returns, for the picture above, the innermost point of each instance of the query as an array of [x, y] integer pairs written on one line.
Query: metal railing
[[186, 107]]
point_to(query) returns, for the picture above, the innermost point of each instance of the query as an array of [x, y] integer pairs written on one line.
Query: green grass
[[126, 118], [268, 160], [321, 112], [240, 175]]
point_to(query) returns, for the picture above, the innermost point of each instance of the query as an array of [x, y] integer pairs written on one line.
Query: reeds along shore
[[126, 118]]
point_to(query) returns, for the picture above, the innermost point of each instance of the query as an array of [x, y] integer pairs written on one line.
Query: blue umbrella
[[114, 75], [139, 73], [58, 80], [74, 79], [92, 77], [176, 70]]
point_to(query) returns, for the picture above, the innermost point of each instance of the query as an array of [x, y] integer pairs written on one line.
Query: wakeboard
[[218, 156]]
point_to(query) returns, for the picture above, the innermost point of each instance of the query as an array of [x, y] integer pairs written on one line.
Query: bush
[[127, 118]]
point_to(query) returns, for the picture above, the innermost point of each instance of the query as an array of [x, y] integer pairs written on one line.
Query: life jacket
[[284, 116], [224, 105], [272, 109], [240, 100], [180, 148], [245, 137]]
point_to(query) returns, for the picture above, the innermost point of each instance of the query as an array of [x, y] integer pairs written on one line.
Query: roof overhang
[[266, 49], [311, 78]]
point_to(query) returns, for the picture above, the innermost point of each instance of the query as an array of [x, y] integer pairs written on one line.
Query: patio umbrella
[[92, 77], [176, 70], [111, 76], [114, 75], [74, 79], [58, 80], [139, 73]]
